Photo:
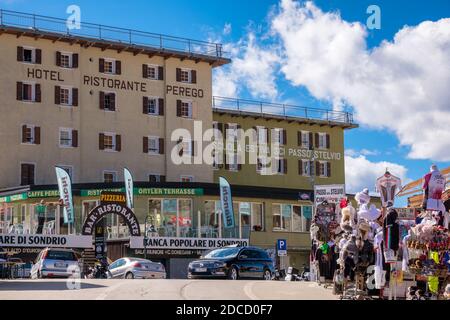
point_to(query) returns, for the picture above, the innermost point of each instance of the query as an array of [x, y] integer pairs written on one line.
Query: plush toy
[[363, 197], [364, 229]]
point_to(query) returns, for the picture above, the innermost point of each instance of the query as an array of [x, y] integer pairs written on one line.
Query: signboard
[[100, 245], [147, 191], [168, 252], [113, 197], [43, 194], [331, 193], [16, 197], [185, 243], [43, 241], [406, 213], [282, 247]]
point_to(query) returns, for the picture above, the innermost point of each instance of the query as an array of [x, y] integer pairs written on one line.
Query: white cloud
[[227, 29], [253, 68], [401, 85], [364, 152], [361, 173]]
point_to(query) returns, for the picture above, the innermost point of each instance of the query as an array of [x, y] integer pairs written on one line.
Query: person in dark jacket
[[391, 230]]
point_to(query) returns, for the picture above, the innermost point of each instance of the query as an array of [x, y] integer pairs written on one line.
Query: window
[[287, 217], [109, 66], [109, 176], [305, 142], [185, 147], [262, 135], [28, 92], [279, 136], [66, 60], [152, 106], [305, 168], [186, 75], [154, 178], [108, 101], [322, 140], [28, 55], [281, 166], [109, 142], [186, 109], [65, 138], [153, 145], [27, 172], [152, 72], [324, 169], [65, 96], [28, 134], [186, 178]]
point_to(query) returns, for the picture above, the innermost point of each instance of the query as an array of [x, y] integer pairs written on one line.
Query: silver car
[[135, 268], [56, 263]]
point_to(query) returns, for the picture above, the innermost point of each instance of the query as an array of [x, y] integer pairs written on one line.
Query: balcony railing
[[283, 110], [130, 37]]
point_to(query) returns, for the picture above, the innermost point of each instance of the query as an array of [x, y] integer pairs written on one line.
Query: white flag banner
[[129, 188], [65, 193]]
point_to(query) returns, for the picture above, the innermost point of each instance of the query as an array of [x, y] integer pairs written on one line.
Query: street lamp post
[[145, 237]]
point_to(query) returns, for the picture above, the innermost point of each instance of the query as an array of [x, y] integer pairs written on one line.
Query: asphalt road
[[161, 290]]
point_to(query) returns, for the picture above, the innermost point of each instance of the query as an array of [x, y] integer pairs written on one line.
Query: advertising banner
[[65, 193], [129, 188], [226, 203], [45, 240], [332, 193], [185, 243]]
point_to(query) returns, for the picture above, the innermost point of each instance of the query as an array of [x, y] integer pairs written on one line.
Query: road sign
[[282, 247]]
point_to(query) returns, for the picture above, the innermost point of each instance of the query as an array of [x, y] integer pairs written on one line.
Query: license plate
[[201, 270], [60, 265]]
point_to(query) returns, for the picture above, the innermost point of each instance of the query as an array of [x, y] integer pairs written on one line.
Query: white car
[[56, 263], [136, 268]]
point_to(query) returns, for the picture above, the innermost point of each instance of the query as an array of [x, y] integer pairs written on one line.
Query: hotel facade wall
[[88, 119]]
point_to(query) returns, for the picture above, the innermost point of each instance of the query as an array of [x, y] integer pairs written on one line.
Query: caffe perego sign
[[43, 241], [185, 243]]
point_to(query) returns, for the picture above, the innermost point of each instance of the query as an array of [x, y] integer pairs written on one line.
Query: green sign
[[97, 192], [43, 194], [15, 197], [168, 192]]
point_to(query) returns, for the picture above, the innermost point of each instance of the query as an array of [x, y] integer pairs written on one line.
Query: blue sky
[[203, 19]]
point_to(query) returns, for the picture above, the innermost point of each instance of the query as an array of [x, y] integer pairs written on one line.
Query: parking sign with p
[[282, 247]]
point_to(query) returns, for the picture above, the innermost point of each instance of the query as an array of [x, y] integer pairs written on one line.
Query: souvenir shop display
[[433, 187], [387, 185]]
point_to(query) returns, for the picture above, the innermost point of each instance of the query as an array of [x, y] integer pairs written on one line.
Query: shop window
[[245, 219], [154, 220], [297, 219], [257, 217], [169, 221]]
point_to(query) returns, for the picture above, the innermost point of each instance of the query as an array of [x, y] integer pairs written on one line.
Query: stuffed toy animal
[[364, 229]]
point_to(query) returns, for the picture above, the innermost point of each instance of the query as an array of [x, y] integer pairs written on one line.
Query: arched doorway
[[104, 209]]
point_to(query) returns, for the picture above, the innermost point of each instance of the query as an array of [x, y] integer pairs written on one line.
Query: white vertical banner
[[129, 188], [65, 193]]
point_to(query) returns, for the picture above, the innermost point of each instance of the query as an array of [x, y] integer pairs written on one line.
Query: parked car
[[233, 263], [55, 263], [136, 268]]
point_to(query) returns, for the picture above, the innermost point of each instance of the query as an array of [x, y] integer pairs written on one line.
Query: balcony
[[107, 37], [288, 112]]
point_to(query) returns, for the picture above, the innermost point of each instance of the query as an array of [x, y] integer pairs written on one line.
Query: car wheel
[[267, 275], [129, 275], [233, 274]]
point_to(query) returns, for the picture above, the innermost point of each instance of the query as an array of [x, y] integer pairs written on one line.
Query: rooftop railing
[[41, 23], [283, 110]]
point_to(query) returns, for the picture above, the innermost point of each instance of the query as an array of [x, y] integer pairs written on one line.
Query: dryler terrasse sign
[[43, 241], [185, 243]]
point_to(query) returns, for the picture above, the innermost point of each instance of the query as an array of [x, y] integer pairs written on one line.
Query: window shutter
[[57, 95], [19, 91], [118, 67], [118, 142], [101, 65], [102, 100], [328, 141], [239, 166], [113, 101], [161, 146], [310, 141], [316, 138], [37, 135], [317, 168], [300, 167], [267, 134], [19, 53], [23, 174], [193, 76], [74, 138], [75, 97], [161, 106], [101, 141], [145, 71], [311, 168], [145, 145], [284, 137], [178, 75], [38, 56], [24, 133], [178, 108], [299, 138], [160, 73], [220, 127], [162, 178], [193, 148], [75, 60], [58, 59], [285, 166], [38, 93], [145, 105], [30, 174], [329, 169]]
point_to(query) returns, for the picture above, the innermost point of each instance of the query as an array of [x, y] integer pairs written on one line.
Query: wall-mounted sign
[[113, 197], [43, 241], [185, 243], [168, 191], [331, 193], [16, 197], [406, 213], [98, 192], [43, 194], [44, 74], [184, 91], [169, 252], [114, 84]]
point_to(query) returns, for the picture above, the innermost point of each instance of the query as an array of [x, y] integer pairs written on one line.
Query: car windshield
[[222, 253], [61, 255]]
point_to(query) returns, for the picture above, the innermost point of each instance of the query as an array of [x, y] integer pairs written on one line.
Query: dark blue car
[[233, 263]]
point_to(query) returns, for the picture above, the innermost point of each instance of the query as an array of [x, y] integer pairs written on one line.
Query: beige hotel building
[[98, 99]]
